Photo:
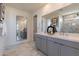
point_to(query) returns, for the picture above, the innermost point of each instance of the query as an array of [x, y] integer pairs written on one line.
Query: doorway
[[34, 25]]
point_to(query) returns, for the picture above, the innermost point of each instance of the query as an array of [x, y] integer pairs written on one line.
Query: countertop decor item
[[51, 29]]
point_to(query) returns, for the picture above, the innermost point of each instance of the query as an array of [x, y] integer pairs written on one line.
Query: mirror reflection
[[65, 20], [50, 25], [21, 23], [71, 23]]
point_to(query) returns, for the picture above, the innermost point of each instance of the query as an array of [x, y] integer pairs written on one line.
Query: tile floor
[[24, 49]]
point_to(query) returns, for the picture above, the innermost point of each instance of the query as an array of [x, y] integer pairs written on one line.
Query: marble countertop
[[63, 36]]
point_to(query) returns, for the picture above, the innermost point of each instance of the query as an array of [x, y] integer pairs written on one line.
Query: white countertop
[[65, 36]]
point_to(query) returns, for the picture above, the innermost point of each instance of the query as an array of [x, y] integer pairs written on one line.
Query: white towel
[[4, 29]]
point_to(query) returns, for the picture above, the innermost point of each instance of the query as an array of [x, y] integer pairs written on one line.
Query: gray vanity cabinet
[[53, 48]]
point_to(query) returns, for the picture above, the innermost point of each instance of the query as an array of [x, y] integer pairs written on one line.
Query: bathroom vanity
[[58, 44], [65, 42]]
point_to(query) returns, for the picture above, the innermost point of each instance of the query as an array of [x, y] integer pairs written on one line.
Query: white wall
[[11, 14], [51, 7]]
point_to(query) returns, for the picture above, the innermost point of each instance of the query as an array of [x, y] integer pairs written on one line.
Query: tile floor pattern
[[25, 49]]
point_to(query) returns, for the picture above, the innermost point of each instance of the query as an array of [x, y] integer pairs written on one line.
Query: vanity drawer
[[67, 42]]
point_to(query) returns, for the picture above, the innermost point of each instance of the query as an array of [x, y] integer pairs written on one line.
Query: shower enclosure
[[21, 30]]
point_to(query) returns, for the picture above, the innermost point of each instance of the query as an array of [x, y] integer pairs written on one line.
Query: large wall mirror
[[21, 28], [66, 23], [66, 19]]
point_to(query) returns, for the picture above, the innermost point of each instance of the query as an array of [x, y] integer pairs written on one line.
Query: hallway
[[24, 49]]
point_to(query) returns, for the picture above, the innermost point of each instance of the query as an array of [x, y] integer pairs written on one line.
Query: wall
[[11, 14], [49, 8]]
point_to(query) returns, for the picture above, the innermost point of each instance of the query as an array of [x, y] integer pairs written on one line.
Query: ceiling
[[30, 7]]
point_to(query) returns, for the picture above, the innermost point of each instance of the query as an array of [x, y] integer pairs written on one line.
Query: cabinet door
[[44, 45], [53, 49], [34, 37], [67, 51], [38, 43], [76, 52]]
